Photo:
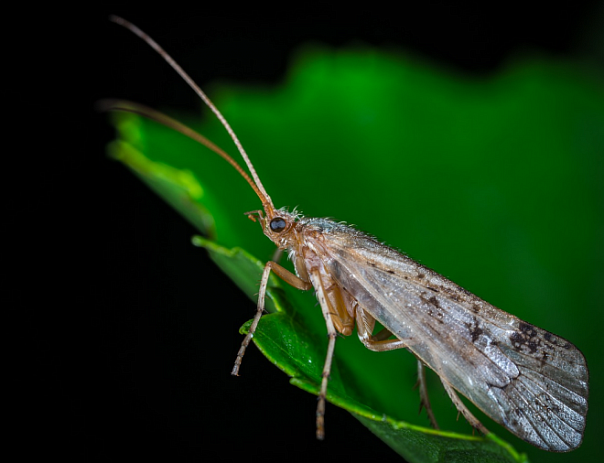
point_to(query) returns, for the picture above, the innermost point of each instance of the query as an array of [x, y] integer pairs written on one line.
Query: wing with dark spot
[[532, 382]]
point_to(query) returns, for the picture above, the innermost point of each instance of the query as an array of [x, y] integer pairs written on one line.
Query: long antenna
[[264, 197], [135, 108]]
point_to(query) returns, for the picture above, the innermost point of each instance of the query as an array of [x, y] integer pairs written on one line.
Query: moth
[[529, 380]]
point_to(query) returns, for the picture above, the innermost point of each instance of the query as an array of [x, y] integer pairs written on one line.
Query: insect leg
[[315, 276], [382, 335], [377, 343], [286, 276], [340, 306], [462, 408], [380, 343], [423, 394]]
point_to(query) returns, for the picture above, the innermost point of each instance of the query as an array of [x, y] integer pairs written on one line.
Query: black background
[[126, 365]]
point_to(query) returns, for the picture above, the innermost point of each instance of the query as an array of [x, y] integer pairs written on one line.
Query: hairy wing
[[532, 382]]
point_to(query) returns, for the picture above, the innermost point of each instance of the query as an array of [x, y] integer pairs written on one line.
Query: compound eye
[[278, 224]]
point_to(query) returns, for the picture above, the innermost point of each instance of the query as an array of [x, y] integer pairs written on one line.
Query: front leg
[[286, 276], [315, 278]]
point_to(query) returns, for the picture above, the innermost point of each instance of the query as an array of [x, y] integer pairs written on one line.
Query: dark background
[[122, 372]]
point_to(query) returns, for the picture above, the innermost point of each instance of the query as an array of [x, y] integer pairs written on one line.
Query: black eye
[[278, 224]]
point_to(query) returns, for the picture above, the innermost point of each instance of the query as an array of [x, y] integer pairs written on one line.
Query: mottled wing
[[532, 382]]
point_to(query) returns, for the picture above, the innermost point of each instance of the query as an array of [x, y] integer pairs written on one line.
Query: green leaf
[[502, 172], [287, 340]]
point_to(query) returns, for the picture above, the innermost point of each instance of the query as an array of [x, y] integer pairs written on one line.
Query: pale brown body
[[525, 378]]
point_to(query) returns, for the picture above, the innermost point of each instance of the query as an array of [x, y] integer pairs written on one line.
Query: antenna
[[145, 111], [260, 191]]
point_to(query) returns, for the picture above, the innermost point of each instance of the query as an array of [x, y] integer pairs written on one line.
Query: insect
[[530, 381]]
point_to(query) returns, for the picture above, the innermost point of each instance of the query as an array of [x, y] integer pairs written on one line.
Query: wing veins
[[526, 347], [550, 380], [546, 420], [555, 352]]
